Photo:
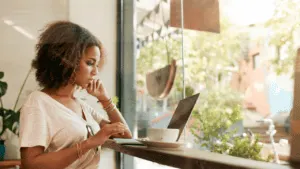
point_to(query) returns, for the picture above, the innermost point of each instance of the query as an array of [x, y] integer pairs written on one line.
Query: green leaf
[[1, 75], [115, 100], [3, 88], [10, 120]]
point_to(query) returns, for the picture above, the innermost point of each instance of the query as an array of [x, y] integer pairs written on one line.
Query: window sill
[[9, 163], [186, 158], [191, 158]]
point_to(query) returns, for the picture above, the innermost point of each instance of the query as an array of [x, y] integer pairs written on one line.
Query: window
[[235, 92]]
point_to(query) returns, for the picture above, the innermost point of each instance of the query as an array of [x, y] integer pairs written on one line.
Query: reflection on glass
[[244, 75]]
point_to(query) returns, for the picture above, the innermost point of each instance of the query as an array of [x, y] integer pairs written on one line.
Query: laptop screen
[[183, 113]]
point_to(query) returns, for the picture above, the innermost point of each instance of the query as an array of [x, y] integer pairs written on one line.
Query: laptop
[[183, 113], [179, 119]]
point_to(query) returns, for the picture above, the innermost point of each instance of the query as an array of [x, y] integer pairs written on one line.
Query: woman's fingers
[[89, 87], [117, 131], [113, 129], [118, 128], [98, 83], [94, 85]]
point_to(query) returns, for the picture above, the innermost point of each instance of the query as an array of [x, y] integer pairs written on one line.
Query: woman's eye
[[90, 63]]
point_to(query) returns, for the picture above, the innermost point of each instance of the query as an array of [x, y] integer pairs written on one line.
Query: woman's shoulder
[[34, 99]]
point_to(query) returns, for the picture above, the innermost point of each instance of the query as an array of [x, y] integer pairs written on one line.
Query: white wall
[[100, 17], [17, 48]]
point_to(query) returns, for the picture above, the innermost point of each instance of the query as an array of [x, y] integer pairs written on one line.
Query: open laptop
[[183, 113], [178, 121]]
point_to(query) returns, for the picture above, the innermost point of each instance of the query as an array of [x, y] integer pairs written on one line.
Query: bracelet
[[112, 108], [101, 101], [79, 151], [108, 107]]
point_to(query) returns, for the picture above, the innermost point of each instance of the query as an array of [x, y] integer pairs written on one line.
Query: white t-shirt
[[46, 122]]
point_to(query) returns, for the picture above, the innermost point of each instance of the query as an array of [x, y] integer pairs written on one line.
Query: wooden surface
[[191, 158], [9, 164], [186, 158]]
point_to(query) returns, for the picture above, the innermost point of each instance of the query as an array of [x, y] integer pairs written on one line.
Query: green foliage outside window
[[218, 111]]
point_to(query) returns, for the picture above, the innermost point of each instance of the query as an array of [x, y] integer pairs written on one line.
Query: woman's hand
[[106, 132], [96, 89]]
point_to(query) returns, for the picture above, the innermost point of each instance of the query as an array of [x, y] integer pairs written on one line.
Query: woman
[[57, 130]]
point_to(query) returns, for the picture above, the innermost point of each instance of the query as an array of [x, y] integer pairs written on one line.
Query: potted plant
[[10, 117]]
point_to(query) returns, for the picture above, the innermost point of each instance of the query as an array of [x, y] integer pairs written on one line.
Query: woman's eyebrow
[[92, 59]]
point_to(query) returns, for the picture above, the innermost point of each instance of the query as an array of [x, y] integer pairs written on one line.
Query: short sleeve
[[33, 127]]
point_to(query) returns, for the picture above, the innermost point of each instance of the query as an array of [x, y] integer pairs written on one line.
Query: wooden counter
[[9, 164], [185, 158], [192, 158]]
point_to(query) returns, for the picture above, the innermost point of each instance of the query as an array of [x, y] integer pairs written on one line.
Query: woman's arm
[[96, 89], [35, 158], [115, 116]]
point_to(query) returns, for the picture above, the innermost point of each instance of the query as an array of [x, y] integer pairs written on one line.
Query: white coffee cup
[[162, 134]]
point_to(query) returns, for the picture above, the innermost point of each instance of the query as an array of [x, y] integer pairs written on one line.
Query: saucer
[[160, 144]]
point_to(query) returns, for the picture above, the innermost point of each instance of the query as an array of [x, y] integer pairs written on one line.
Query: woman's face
[[88, 66]]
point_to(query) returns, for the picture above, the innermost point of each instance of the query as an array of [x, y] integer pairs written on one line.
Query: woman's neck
[[65, 91]]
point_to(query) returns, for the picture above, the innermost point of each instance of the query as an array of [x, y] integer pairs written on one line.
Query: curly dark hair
[[59, 50]]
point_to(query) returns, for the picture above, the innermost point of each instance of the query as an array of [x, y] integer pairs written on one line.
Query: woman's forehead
[[93, 52]]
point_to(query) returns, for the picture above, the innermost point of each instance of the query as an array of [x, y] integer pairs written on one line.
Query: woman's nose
[[95, 70]]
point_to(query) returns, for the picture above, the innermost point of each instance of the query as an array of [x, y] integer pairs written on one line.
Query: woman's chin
[[83, 86]]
